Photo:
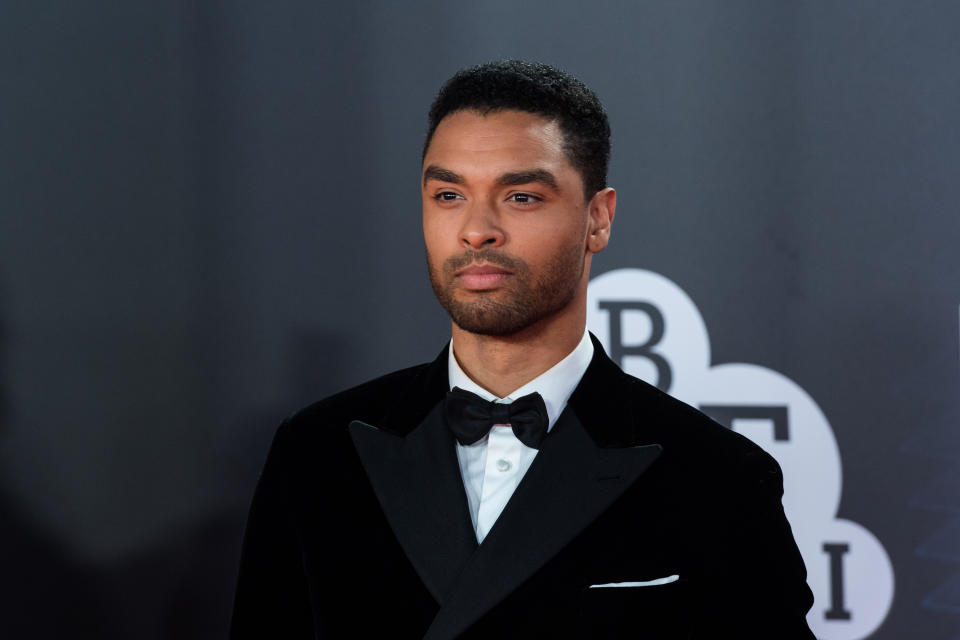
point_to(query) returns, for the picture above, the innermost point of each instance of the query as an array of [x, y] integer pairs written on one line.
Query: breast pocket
[[652, 609]]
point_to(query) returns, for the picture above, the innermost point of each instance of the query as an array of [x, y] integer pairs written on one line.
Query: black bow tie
[[470, 417]]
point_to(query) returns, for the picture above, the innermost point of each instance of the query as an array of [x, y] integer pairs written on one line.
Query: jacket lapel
[[411, 461], [417, 481]]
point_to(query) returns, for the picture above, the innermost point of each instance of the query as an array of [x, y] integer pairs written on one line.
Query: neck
[[503, 364]]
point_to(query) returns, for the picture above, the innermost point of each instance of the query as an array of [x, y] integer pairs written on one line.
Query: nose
[[481, 229]]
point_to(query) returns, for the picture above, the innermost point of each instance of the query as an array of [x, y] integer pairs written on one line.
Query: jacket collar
[[417, 399], [610, 424], [606, 402]]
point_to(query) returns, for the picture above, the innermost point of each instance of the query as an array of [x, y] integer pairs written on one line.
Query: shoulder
[[620, 410], [318, 432], [368, 402], [371, 402], [696, 445]]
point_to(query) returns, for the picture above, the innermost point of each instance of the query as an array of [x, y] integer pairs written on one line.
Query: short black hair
[[540, 89]]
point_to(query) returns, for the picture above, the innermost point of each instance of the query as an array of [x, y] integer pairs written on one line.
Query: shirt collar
[[555, 385]]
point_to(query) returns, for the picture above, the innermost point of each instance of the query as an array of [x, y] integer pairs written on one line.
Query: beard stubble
[[520, 303]]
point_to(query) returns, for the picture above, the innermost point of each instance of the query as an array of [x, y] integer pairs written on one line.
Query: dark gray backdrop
[[209, 216]]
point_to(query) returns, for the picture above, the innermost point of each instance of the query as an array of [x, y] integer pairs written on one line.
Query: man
[[520, 485]]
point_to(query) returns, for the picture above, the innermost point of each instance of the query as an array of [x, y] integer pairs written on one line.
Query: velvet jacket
[[359, 526]]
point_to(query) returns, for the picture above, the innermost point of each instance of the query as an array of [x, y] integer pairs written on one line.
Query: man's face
[[507, 231]]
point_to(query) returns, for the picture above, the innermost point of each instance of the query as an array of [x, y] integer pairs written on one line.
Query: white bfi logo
[[653, 330]]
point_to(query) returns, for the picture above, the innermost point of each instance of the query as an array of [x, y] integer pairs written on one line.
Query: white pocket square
[[645, 583]]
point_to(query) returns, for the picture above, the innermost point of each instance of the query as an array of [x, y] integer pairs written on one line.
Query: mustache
[[489, 256]]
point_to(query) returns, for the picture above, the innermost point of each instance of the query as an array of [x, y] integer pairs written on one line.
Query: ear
[[601, 209]]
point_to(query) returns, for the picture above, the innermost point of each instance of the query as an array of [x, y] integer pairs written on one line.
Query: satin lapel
[[417, 481], [571, 482]]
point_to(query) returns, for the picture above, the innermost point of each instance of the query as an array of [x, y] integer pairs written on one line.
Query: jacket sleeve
[[758, 587], [272, 599]]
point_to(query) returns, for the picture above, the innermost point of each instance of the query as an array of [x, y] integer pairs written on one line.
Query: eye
[[447, 196], [523, 198]]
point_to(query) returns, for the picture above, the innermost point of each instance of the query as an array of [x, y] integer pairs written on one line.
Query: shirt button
[[503, 465]]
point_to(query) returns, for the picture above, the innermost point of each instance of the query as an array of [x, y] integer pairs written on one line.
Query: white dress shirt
[[493, 466]]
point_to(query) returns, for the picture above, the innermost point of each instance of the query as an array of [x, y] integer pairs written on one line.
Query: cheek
[[436, 239], [432, 233], [554, 237], [437, 228]]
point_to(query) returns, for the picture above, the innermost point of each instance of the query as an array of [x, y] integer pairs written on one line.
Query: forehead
[[500, 140]]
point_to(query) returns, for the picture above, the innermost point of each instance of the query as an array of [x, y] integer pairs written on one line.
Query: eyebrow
[[513, 178], [433, 172], [541, 176]]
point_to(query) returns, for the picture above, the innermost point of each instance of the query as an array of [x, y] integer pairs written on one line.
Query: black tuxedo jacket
[[360, 528]]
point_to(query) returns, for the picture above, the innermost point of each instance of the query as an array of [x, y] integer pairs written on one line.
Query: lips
[[482, 277]]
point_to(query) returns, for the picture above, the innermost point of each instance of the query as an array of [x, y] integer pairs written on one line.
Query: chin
[[485, 323]]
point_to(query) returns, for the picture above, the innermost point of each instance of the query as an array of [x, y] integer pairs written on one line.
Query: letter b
[[618, 350]]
